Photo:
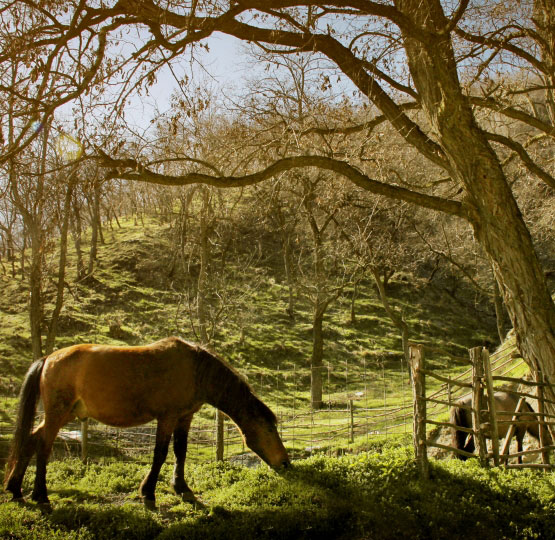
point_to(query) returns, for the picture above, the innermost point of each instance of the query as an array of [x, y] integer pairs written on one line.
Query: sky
[[225, 64]]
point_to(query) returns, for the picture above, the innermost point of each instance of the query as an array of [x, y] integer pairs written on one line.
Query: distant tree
[[322, 274]]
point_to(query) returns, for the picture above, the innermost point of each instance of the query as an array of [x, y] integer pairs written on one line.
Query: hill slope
[[132, 299]]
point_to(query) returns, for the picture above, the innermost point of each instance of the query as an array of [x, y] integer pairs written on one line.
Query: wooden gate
[[481, 387]]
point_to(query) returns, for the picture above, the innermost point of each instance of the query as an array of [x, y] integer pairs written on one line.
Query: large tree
[[425, 66]]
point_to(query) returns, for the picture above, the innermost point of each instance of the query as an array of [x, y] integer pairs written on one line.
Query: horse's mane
[[227, 384]]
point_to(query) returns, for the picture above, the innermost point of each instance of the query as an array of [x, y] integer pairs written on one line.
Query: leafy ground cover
[[373, 495]]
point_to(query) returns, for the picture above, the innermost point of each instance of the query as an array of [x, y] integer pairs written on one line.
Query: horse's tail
[[458, 418], [28, 400]]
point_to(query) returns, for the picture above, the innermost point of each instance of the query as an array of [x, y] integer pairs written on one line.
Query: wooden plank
[[516, 423], [450, 448], [84, 439], [520, 381], [449, 424], [531, 413], [531, 396], [442, 402], [511, 430], [541, 418], [491, 406], [477, 398], [531, 451], [442, 378]]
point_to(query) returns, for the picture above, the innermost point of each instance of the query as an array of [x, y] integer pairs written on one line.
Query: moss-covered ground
[[374, 495]]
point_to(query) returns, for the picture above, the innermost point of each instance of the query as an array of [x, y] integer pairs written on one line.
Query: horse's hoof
[[188, 496], [150, 504], [45, 507]]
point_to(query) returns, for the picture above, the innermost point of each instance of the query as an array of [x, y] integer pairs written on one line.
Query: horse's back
[[123, 385]]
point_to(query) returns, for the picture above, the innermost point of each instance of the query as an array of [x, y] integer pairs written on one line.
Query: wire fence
[[359, 405]]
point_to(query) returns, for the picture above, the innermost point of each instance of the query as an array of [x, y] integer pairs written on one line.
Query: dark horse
[[505, 406], [126, 386]]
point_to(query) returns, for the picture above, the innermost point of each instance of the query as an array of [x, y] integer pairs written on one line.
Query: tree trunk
[[53, 325], [22, 254], [95, 225], [544, 19], [202, 303], [35, 290], [489, 203], [76, 225], [288, 274], [395, 317], [354, 295], [203, 271], [317, 359]]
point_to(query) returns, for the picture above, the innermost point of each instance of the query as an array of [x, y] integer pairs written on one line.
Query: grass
[[375, 494]]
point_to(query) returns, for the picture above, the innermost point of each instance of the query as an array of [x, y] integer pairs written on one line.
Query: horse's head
[[262, 437]]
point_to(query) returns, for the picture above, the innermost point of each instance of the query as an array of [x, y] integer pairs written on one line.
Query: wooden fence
[[363, 408], [478, 381]]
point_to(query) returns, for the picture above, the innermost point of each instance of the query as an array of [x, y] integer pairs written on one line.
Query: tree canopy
[[468, 86]]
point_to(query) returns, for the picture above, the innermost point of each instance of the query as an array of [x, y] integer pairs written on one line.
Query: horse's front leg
[[519, 438], [180, 435], [148, 485]]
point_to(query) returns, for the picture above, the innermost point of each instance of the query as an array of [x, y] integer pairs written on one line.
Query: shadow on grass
[[371, 496], [379, 502], [107, 522]]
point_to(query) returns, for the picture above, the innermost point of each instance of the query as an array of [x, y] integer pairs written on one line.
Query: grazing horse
[[167, 381], [505, 406]]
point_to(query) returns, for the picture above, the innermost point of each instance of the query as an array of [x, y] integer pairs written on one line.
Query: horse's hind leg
[[163, 435], [180, 435], [16, 477], [45, 436]]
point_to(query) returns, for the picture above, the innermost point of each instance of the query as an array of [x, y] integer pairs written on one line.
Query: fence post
[[219, 436], [419, 400], [541, 417], [477, 400], [84, 439], [491, 406]]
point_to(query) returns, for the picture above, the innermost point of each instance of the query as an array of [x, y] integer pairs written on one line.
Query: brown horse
[[505, 406], [167, 381]]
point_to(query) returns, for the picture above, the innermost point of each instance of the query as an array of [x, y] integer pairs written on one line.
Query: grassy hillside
[[374, 494], [133, 298]]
